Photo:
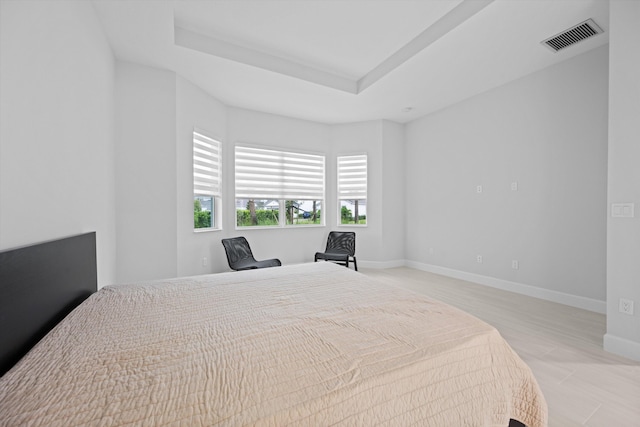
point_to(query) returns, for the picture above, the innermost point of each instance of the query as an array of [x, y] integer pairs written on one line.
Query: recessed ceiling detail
[[573, 35], [255, 57]]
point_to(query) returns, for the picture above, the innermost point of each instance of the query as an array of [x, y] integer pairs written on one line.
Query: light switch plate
[[622, 210]]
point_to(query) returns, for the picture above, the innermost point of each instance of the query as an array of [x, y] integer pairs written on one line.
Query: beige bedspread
[[305, 345]]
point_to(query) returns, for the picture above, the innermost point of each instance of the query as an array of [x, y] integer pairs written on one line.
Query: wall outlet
[[514, 264], [205, 261], [479, 259], [430, 251], [479, 189], [514, 186], [626, 306]]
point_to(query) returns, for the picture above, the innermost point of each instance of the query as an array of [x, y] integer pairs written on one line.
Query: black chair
[[240, 257], [341, 246]]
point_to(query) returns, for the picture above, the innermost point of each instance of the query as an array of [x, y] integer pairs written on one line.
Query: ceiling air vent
[[573, 35]]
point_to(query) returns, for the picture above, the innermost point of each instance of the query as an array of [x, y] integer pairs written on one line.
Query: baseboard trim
[[382, 264], [622, 346], [520, 288]]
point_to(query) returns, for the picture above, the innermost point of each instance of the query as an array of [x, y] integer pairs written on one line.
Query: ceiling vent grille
[[573, 35]]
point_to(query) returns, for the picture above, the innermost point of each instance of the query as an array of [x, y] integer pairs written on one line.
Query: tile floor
[[583, 384]]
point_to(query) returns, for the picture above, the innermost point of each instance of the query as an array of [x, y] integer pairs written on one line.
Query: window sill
[[205, 230], [280, 227]]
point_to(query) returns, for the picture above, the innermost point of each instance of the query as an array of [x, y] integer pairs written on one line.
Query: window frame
[[203, 179], [280, 195], [344, 191]]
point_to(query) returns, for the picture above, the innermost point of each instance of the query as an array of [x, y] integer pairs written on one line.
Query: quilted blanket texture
[[304, 345]]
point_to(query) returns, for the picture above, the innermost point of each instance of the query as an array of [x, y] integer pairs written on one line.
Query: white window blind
[[352, 177], [206, 165], [272, 174]]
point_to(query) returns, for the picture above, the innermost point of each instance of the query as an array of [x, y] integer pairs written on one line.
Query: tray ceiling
[[337, 61]]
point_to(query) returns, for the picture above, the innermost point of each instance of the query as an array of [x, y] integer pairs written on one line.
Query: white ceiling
[[336, 61]]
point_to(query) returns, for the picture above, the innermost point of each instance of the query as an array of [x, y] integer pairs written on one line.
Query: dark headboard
[[39, 286]]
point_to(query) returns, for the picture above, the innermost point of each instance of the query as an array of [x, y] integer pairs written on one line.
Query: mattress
[[304, 345]]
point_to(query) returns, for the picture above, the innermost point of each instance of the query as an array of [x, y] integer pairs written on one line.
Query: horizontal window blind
[[272, 174], [352, 177], [206, 165]]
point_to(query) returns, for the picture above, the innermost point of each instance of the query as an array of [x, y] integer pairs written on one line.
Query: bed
[[303, 345]]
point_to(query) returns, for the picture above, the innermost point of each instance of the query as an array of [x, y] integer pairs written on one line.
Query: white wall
[[195, 108], [548, 133], [56, 127], [393, 198], [623, 242], [145, 167]]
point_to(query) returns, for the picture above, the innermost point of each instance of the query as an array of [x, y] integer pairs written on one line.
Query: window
[[207, 179], [352, 190], [278, 188], [303, 212], [262, 212]]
